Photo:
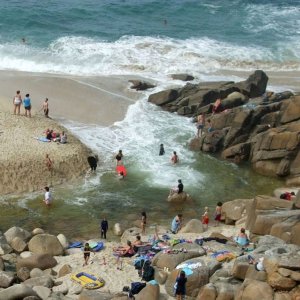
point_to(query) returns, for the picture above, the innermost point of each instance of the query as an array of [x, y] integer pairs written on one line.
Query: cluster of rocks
[[255, 126], [26, 266]]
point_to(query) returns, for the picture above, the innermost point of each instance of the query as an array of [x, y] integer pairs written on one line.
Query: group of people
[[51, 135], [18, 101]]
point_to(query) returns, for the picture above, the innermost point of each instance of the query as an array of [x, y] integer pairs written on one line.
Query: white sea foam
[[147, 56], [139, 135]]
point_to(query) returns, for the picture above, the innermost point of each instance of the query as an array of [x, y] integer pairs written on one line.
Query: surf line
[[106, 91]]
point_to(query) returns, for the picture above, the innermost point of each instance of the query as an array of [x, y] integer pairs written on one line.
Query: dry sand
[[91, 100], [115, 279]]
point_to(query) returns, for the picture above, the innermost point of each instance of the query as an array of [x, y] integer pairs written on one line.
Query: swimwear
[[17, 101], [118, 157], [205, 220], [28, 107], [218, 217]]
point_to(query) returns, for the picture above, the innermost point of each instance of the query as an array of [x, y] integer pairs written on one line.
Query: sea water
[[208, 39]]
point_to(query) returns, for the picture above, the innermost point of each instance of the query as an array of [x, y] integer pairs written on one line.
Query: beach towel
[[42, 139], [187, 271], [190, 265]]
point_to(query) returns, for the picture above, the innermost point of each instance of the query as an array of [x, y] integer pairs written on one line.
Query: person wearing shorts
[[27, 106], [48, 196], [87, 253], [17, 101], [218, 213]]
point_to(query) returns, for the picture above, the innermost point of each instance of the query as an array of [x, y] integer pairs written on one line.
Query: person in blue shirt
[[27, 105], [176, 224]]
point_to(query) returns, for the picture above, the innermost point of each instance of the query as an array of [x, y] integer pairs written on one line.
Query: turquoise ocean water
[[208, 39]]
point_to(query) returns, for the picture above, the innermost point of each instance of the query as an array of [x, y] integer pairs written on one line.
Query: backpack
[[148, 272]]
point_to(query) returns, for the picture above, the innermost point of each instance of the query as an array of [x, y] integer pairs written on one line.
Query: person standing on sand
[[17, 101], [27, 105], [48, 196], [218, 213], [49, 162], [176, 224], [104, 228], [86, 253], [45, 108], [200, 124]]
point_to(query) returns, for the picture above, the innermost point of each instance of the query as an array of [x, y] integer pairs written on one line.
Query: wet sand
[[90, 100]]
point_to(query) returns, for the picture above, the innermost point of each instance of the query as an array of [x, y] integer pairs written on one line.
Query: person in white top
[[17, 101], [48, 196]]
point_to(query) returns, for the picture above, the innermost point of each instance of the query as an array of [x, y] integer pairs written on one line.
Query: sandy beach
[[88, 100]]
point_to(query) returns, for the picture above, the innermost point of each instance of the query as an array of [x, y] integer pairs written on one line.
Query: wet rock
[[178, 198], [163, 97], [140, 85], [182, 77]]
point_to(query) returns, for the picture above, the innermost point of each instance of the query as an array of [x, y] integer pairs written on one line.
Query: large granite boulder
[[41, 261], [140, 85], [5, 248], [207, 292], [163, 97], [212, 141], [255, 85], [182, 77], [292, 111], [63, 241], [45, 244], [235, 209], [254, 289], [238, 153], [178, 198], [192, 226], [17, 291], [45, 281], [171, 260], [149, 292], [19, 232], [195, 281]]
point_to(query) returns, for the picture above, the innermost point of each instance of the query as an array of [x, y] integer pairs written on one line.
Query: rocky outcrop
[[182, 77], [140, 85], [262, 128], [41, 261], [178, 198]]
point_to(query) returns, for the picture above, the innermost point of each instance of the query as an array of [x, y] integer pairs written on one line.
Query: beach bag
[[139, 264], [148, 272], [136, 287]]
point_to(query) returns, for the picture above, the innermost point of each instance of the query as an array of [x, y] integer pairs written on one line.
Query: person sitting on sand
[[137, 243], [176, 224], [174, 158], [49, 162], [48, 196], [63, 138], [86, 253], [119, 157], [49, 134], [126, 251], [17, 101], [242, 239]]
